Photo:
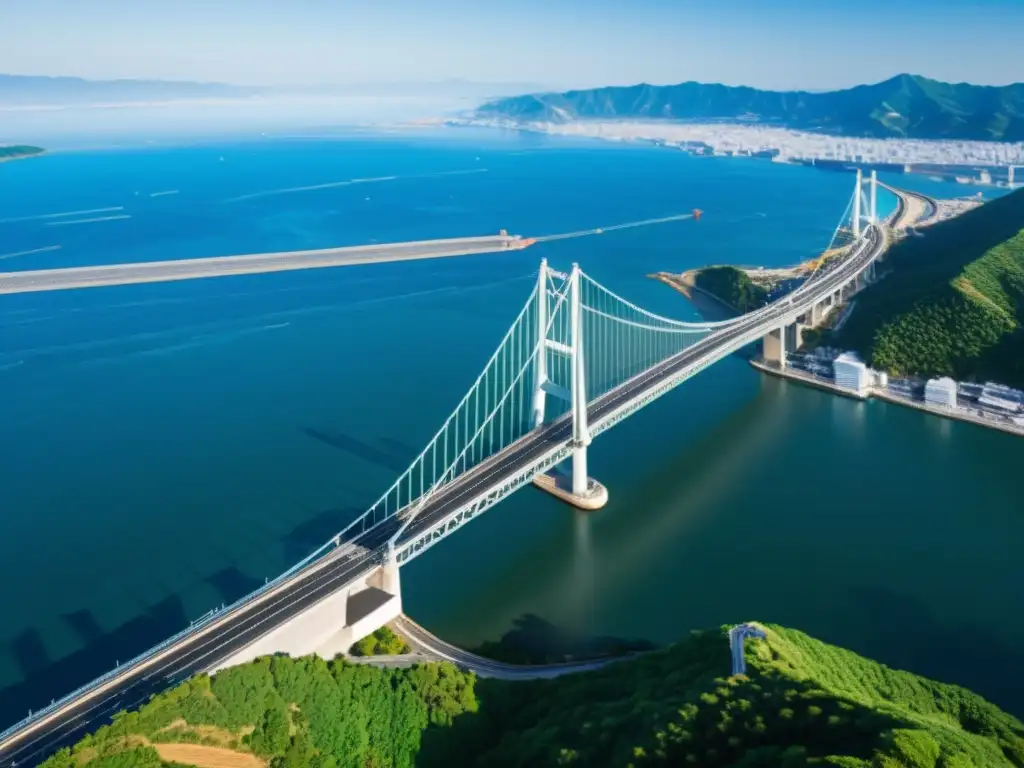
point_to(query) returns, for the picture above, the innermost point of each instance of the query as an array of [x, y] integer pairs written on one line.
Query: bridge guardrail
[[192, 628]]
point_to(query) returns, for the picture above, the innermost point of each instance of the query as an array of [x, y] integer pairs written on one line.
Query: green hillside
[[907, 106], [953, 302], [732, 286], [802, 703]]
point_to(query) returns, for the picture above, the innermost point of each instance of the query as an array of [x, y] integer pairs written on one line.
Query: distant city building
[[941, 392], [851, 373]]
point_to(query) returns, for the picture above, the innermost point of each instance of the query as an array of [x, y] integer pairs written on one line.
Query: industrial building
[[851, 373], [941, 392]]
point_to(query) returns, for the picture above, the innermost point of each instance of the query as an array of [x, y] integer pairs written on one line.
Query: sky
[[777, 44]]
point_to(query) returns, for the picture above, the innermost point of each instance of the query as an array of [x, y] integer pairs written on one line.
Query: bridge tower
[[580, 432], [541, 367], [858, 187], [578, 489], [873, 212]]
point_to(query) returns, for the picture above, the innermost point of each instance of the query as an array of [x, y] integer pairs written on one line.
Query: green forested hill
[[907, 106], [953, 302], [732, 286], [802, 703]]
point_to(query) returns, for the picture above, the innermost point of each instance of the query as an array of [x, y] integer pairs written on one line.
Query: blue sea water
[[169, 447]]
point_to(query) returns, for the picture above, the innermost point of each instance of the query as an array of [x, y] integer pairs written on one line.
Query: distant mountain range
[[906, 106], [30, 90]]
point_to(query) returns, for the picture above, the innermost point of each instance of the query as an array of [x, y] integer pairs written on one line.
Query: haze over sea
[[168, 447]]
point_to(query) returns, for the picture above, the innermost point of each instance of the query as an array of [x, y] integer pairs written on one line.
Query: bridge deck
[[238, 628]]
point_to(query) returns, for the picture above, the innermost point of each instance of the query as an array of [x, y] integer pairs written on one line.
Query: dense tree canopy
[[802, 703], [732, 286], [952, 302]]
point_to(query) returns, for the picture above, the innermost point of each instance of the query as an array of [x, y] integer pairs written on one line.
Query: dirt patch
[[207, 757], [209, 735]]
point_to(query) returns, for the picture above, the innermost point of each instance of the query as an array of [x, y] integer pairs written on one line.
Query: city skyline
[[787, 45]]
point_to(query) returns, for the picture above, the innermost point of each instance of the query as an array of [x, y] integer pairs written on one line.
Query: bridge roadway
[[218, 266], [912, 208], [237, 628]]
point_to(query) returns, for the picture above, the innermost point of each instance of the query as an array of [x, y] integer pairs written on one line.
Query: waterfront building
[[851, 373], [1002, 392], [941, 392]]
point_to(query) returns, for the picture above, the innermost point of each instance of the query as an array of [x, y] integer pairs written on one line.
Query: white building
[[851, 373], [1002, 392], [940, 392]]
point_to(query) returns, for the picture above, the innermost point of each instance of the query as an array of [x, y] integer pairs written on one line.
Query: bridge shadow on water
[[395, 456], [44, 678], [317, 529]]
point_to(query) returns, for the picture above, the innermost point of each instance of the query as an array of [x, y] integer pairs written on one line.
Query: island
[[797, 702], [729, 285], [19, 152]]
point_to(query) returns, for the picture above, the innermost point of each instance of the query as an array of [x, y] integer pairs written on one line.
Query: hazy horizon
[[781, 45]]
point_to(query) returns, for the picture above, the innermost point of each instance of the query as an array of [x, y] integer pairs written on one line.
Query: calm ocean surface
[[168, 447]]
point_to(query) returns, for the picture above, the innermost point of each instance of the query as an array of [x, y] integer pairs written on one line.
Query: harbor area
[[987, 404]]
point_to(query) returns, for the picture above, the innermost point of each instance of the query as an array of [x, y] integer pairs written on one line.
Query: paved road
[[189, 269], [912, 208], [238, 628], [430, 648]]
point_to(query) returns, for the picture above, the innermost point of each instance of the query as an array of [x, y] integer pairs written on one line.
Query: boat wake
[[86, 221], [44, 216], [15, 255], [349, 183]]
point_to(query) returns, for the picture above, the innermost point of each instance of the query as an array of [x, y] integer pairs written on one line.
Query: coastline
[[959, 414], [771, 143], [684, 283], [21, 156]]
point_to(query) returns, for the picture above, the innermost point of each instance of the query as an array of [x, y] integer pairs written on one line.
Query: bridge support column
[[873, 213], [330, 626], [796, 340], [581, 490], [774, 347], [541, 367], [856, 203], [816, 314]]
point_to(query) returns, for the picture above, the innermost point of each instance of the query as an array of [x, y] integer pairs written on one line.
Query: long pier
[[219, 266]]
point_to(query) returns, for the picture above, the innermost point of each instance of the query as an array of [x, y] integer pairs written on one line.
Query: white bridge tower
[[581, 491], [860, 204]]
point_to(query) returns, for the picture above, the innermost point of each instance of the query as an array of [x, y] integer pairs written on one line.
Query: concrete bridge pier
[[774, 347], [817, 314], [576, 487], [330, 626]]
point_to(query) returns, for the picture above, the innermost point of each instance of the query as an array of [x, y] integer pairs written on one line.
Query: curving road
[[219, 266], [237, 627], [431, 648]]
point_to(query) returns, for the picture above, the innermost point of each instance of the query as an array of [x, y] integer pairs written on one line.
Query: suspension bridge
[[576, 361]]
